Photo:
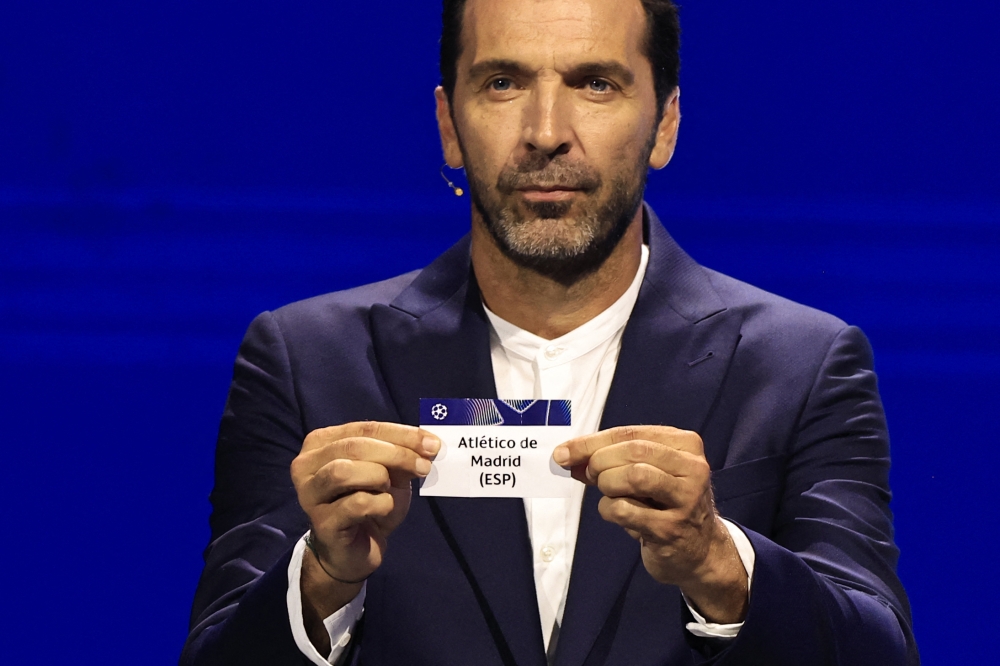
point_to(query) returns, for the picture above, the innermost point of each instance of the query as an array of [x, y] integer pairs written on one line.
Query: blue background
[[169, 170]]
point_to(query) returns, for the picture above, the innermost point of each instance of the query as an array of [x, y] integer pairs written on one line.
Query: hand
[[353, 481], [657, 485]]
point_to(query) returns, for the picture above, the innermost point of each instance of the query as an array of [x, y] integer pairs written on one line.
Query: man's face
[[554, 118]]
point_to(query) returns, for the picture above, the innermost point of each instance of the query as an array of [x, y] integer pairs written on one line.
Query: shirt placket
[[554, 381]]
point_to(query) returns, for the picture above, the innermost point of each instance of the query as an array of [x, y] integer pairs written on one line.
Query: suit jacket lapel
[[433, 341], [676, 348], [675, 352]]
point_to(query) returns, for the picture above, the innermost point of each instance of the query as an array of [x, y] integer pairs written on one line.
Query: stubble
[[562, 240]]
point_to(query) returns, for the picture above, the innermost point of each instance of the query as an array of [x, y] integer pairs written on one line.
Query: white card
[[496, 448]]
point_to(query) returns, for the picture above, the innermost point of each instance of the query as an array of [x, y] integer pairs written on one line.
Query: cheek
[[612, 139], [489, 142]]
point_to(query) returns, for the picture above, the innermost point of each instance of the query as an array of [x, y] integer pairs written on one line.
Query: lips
[[548, 188], [547, 193], [556, 177]]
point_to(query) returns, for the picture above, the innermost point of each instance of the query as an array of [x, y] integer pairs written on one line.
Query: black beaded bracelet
[[310, 545]]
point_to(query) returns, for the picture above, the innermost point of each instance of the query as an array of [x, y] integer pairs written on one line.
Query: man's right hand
[[353, 481]]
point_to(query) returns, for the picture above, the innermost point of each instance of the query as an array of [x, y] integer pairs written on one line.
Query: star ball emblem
[[439, 411]]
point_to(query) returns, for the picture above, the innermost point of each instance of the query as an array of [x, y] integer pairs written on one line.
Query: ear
[[446, 128], [666, 133]]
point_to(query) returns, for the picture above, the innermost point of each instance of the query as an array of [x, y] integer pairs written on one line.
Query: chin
[[549, 227], [564, 240], [548, 238]]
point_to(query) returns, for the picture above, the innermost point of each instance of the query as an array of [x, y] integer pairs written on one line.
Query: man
[[731, 446]]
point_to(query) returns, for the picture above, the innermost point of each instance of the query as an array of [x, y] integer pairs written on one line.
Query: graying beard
[[568, 265]]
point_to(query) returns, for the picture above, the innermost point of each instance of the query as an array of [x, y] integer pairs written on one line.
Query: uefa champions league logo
[[439, 411]]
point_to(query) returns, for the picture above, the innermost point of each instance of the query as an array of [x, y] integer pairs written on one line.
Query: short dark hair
[[662, 47]]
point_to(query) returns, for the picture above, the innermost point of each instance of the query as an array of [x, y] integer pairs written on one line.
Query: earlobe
[[446, 128], [666, 133]]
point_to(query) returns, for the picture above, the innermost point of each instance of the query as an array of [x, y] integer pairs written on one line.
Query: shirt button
[[548, 553], [344, 640], [552, 352]]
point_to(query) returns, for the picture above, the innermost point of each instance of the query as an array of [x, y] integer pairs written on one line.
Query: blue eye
[[501, 85], [597, 85]]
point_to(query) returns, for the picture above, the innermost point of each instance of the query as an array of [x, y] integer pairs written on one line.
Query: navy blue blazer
[[783, 396]]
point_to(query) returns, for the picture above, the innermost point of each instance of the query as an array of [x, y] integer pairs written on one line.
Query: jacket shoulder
[[784, 343], [338, 312], [774, 317]]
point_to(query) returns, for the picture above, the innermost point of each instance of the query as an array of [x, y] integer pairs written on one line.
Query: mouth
[[556, 193]]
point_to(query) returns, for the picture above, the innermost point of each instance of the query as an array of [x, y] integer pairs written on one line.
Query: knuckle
[[351, 447], [382, 505], [620, 510], [639, 450], [628, 433], [641, 476], [359, 503], [321, 481], [604, 508], [369, 429], [370, 505], [694, 440], [314, 439], [297, 468], [610, 508], [702, 470], [340, 471]]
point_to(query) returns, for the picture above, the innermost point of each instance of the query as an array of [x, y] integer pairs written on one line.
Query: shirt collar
[[580, 340]]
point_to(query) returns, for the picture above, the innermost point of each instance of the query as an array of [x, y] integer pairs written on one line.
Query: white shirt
[[578, 366]]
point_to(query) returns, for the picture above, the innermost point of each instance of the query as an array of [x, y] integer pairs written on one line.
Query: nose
[[547, 123]]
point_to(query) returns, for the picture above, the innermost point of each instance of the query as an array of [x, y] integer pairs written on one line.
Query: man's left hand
[[657, 485]]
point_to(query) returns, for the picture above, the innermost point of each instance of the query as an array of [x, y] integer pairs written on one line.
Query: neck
[[544, 306]]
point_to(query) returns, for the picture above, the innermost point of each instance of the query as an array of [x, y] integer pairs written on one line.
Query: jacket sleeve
[[825, 589], [239, 615]]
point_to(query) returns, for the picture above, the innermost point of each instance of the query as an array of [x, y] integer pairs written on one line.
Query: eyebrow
[[605, 68], [497, 65]]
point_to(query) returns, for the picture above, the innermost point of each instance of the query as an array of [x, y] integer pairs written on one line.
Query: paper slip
[[496, 448]]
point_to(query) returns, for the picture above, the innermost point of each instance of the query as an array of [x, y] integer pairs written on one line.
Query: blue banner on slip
[[494, 412]]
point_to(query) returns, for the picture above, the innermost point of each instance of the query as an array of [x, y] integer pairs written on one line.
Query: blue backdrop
[[169, 170]]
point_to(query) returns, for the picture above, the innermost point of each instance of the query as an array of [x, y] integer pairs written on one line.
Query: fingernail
[[423, 466], [561, 455], [431, 445]]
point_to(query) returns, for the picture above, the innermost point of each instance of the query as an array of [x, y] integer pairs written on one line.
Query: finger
[[416, 439], [579, 450], [341, 476], [630, 514], [648, 484], [368, 506], [359, 507], [397, 458], [664, 457], [670, 526]]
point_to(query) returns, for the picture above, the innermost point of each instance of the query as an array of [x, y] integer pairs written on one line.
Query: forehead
[[553, 33]]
